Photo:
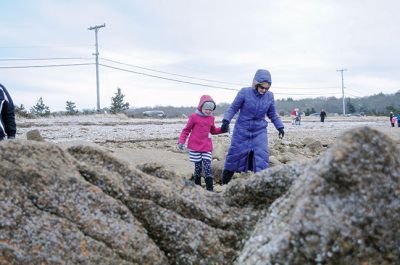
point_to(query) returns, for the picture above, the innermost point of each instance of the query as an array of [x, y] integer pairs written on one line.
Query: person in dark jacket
[[322, 115], [398, 120], [249, 144], [7, 120]]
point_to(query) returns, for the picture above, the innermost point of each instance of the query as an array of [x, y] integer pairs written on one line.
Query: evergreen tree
[[40, 109], [70, 107], [391, 109], [350, 106], [21, 111], [117, 102]]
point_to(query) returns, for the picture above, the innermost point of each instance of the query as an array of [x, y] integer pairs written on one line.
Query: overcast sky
[[302, 43]]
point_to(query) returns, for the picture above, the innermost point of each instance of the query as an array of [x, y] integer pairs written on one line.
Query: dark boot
[[226, 176], [196, 179], [209, 183]]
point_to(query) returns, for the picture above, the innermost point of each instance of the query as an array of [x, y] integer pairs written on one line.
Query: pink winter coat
[[200, 129]]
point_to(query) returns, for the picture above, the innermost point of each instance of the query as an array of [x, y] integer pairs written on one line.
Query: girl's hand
[[181, 146]]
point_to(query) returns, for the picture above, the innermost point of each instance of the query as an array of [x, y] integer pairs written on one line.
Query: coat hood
[[261, 76], [205, 98]]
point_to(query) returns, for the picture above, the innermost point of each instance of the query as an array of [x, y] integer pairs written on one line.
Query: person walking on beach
[[7, 119], [249, 144], [392, 119], [200, 127], [295, 116], [322, 115], [297, 120], [398, 120]]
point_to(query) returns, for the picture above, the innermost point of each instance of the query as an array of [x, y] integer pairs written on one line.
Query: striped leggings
[[201, 160]]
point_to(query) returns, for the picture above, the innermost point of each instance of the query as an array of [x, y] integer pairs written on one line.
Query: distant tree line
[[379, 105]]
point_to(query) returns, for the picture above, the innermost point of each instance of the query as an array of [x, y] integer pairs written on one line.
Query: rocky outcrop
[[263, 188], [343, 209], [51, 215], [81, 205]]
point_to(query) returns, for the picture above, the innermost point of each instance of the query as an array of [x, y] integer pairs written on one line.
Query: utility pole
[[344, 106], [96, 29]]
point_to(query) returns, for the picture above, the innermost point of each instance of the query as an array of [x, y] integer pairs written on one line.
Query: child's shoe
[[209, 183]]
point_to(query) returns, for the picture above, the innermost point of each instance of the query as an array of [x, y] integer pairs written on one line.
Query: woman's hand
[[281, 133], [225, 126]]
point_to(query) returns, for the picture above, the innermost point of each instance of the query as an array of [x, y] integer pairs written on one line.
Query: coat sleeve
[[8, 114], [9, 119], [272, 115], [235, 106], [187, 130]]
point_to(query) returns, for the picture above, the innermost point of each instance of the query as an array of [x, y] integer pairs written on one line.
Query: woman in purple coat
[[249, 144]]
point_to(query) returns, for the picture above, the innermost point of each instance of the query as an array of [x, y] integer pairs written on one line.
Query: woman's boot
[[226, 176]]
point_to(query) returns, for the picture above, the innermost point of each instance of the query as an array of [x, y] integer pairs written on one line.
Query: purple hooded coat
[[250, 131]]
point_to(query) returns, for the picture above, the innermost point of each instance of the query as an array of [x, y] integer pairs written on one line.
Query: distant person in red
[[200, 127], [322, 115], [392, 119], [295, 116], [7, 118]]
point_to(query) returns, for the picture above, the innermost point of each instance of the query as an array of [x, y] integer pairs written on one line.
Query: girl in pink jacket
[[201, 126]]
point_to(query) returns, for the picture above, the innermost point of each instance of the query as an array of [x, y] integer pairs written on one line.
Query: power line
[[154, 70], [163, 72], [43, 46], [42, 66], [200, 84], [154, 76], [355, 91], [204, 79], [166, 78], [307, 94], [305, 87], [43, 59]]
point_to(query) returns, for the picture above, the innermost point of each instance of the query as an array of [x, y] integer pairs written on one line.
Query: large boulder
[[84, 206], [343, 209], [51, 215]]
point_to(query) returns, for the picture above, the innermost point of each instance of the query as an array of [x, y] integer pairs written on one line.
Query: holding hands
[[225, 126]]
